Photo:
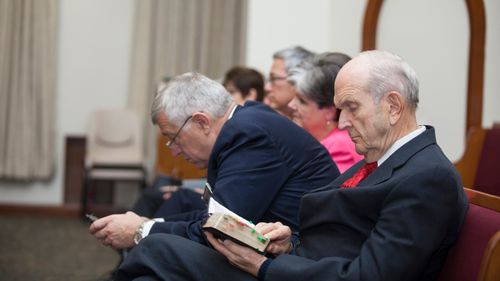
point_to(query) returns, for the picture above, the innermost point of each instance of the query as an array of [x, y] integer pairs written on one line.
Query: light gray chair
[[114, 150]]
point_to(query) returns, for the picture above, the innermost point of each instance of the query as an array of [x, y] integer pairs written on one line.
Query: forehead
[[164, 124], [278, 66], [349, 84], [349, 92]]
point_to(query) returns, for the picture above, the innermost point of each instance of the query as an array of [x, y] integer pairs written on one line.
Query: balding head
[[378, 95], [381, 72]]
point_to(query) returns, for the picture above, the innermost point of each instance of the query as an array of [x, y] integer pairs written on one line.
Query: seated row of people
[[311, 89], [391, 216]]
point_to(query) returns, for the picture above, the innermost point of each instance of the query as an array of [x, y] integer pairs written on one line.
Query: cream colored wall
[[95, 42], [93, 63], [431, 35]]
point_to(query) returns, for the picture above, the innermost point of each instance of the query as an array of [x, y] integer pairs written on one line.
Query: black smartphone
[[91, 217]]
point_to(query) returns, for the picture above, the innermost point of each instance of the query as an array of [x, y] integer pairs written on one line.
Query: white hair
[[389, 72], [189, 93]]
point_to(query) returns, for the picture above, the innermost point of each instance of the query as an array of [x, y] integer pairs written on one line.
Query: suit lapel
[[400, 157], [396, 160]]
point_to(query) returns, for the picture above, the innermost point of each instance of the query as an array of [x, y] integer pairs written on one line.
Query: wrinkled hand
[[279, 236], [240, 256], [117, 230]]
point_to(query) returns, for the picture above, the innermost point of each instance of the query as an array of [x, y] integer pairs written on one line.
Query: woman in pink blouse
[[313, 107]]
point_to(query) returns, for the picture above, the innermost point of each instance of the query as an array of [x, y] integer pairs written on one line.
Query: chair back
[[469, 258], [114, 139], [487, 179]]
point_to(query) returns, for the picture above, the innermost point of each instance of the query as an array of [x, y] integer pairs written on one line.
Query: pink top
[[341, 149]]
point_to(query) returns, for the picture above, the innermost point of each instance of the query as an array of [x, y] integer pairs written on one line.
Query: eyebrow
[[344, 101]]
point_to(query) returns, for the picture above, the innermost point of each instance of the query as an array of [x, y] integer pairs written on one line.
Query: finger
[[217, 244], [100, 235], [99, 224], [264, 227], [167, 195]]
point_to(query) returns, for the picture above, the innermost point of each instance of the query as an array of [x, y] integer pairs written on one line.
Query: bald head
[[378, 95], [380, 72]]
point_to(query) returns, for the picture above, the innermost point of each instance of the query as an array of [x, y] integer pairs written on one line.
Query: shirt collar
[[399, 143], [232, 112]]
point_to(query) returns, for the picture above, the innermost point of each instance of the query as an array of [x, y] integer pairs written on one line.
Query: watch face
[[137, 237]]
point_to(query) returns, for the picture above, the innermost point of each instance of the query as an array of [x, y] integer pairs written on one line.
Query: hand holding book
[[275, 238], [225, 224]]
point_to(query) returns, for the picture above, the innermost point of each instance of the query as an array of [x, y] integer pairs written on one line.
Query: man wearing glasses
[[259, 163], [278, 91], [391, 217]]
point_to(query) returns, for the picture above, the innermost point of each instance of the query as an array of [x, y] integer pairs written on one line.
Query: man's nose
[[267, 86], [175, 150], [293, 104], [343, 121]]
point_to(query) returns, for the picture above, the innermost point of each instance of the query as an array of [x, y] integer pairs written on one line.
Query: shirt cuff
[[261, 275], [148, 225]]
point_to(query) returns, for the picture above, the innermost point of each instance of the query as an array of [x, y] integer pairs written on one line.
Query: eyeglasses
[[172, 141], [272, 79]]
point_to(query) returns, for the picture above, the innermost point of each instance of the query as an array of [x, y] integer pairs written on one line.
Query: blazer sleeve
[[413, 222]]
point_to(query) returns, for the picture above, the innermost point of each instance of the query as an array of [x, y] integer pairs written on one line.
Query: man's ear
[[202, 121], [396, 106]]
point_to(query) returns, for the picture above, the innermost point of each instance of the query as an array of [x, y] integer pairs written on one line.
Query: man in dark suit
[[391, 217], [259, 163]]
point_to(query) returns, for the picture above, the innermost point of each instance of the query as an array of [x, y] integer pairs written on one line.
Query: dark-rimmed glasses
[[272, 79], [172, 141]]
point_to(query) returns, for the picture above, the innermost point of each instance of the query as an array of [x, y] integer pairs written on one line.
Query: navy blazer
[[260, 166], [397, 224]]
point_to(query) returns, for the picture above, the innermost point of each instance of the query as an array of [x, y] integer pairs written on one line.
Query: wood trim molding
[[370, 24], [66, 211], [477, 43], [477, 40]]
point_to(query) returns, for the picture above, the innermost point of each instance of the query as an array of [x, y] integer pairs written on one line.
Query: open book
[[226, 224]]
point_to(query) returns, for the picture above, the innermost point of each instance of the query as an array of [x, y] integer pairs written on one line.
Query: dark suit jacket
[[260, 166], [396, 225]]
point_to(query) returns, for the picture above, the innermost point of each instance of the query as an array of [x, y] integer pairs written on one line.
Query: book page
[[216, 207]]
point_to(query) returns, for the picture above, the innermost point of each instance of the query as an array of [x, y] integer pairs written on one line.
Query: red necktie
[[360, 175]]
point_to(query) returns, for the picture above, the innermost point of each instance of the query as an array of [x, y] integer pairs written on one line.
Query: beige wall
[[95, 40]]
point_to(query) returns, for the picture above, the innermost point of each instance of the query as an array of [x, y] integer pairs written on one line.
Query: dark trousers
[[152, 198], [183, 200], [170, 257], [151, 204]]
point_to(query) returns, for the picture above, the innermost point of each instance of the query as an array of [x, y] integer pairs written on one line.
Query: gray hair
[[314, 78], [189, 93], [389, 72], [292, 56]]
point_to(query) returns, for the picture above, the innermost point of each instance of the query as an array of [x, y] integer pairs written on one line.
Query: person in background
[[244, 84], [259, 164], [391, 217], [313, 108], [279, 92]]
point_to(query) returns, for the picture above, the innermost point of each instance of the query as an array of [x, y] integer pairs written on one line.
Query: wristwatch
[[139, 233]]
